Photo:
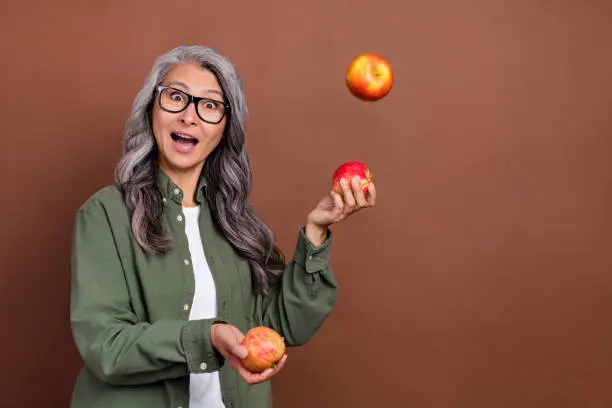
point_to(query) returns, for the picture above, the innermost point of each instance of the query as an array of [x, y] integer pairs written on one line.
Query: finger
[[246, 375], [238, 334], [371, 194], [281, 364], [273, 371], [236, 363], [253, 378], [233, 344], [336, 213], [327, 203], [237, 350], [338, 205], [358, 192], [349, 200], [269, 372]]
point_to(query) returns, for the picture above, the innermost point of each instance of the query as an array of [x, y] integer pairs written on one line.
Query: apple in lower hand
[[265, 348], [349, 170], [369, 77]]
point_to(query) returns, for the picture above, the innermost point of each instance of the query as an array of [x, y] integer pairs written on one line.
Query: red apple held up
[[369, 77], [265, 348], [349, 170]]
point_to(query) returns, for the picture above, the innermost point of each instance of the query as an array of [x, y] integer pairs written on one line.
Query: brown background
[[482, 278]]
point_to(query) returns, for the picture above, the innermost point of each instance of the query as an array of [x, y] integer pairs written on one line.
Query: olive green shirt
[[130, 309]]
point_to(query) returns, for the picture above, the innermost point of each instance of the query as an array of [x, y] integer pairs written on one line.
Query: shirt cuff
[[200, 353], [313, 258]]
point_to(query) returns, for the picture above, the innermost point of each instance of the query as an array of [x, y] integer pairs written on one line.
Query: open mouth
[[184, 139]]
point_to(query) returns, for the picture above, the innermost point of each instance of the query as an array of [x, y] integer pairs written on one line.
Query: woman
[[170, 266]]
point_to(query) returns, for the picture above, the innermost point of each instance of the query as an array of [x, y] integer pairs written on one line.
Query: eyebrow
[[184, 85]]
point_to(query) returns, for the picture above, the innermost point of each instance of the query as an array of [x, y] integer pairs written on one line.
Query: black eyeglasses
[[174, 100]]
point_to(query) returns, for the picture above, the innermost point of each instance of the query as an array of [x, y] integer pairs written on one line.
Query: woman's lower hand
[[335, 208], [227, 339]]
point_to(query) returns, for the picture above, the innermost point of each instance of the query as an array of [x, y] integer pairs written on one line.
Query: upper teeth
[[184, 136]]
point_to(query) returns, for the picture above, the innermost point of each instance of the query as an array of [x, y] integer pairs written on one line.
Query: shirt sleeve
[[304, 296], [115, 345]]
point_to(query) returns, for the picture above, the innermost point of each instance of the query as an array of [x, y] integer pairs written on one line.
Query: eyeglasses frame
[[192, 99]]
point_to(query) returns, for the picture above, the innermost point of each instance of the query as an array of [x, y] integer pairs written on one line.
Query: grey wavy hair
[[227, 170]]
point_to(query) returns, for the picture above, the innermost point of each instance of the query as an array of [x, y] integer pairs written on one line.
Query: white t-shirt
[[204, 388]]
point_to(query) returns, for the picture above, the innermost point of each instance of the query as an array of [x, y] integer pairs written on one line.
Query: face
[[183, 139]]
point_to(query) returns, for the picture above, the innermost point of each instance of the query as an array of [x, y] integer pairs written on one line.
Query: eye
[[211, 105], [177, 96]]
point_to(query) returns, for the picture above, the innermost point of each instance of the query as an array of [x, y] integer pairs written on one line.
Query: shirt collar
[[171, 191]]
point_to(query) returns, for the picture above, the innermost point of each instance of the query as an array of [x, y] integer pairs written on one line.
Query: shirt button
[[203, 366], [179, 218], [176, 191], [310, 257], [186, 261], [164, 199], [185, 306]]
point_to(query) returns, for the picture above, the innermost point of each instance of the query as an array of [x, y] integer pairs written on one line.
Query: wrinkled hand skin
[[227, 339]]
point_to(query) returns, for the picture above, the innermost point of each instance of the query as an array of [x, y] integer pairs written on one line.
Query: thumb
[[238, 350]]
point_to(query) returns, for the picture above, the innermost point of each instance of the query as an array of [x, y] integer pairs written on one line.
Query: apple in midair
[[369, 77]]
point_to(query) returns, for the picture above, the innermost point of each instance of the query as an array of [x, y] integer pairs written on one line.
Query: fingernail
[[343, 181]]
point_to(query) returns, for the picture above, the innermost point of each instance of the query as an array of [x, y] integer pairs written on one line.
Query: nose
[[189, 115]]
